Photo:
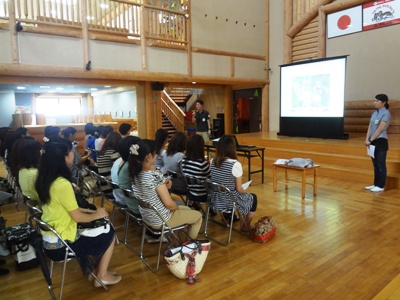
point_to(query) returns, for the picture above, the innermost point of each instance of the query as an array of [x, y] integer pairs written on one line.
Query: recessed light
[[107, 86], [21, 88], [193, 82], [93, 89], [44, 87]]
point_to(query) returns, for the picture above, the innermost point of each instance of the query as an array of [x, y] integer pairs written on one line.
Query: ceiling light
[[21, 87], [44, 87], [107, 86], [59, 89], [93, 89]]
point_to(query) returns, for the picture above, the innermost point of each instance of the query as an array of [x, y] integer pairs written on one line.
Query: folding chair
[[192, 183], [213, 188], [162, 231], [69, 255], [92, 189], [179, 178], [98, 190], [129, 215]]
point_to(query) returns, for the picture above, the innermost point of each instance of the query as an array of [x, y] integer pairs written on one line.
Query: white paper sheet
[[371, 151], [246, 185], [281, 161]]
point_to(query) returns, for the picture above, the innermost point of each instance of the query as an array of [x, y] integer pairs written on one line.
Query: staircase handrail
[[173, 112]]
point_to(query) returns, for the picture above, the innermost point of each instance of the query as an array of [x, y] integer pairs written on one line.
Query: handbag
[[263, 229], [95, 227], [187, 260], [17, 239]]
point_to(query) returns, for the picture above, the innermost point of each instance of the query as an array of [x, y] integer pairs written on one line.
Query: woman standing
[[226, 170], [149, 185], [377, 136], [61, 211]]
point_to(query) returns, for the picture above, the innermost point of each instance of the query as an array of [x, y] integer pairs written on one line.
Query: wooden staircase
[[167, 125]]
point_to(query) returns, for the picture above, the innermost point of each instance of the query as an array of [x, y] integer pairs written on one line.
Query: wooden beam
[[341, 4], [227, 53], [143, 38], [72, 72], [311, 14], [189, 41]]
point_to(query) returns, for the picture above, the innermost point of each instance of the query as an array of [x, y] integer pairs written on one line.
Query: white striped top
[[199, 169], [226, 175], [144, 188]]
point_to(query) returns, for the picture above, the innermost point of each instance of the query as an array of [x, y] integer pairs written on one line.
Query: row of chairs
[[116, 206], [95, 190]]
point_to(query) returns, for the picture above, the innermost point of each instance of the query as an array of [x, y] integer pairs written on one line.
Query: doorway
[[247, 110]]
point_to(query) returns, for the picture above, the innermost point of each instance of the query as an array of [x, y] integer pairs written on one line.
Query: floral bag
[[264, 228]]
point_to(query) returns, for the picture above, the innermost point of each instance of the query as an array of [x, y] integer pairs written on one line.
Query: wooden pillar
[[321, 33], [85, 34], [287, 40], [189, 41], [151, 97], [143, 23], [265, 89], [228, 109], [141, 110], [90, 105], [13, 32]]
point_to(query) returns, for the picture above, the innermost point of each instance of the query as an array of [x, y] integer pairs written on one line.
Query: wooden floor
[[342, 244]]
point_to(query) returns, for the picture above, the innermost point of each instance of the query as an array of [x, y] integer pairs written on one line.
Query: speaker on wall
[[157, 86]]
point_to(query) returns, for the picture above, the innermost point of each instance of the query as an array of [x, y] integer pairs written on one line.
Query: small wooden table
[[303, 181]]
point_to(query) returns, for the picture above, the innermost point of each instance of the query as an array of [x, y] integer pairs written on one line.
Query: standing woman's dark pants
[[379, 162]]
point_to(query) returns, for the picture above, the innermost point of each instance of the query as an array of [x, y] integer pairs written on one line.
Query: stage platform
[[339, 158]]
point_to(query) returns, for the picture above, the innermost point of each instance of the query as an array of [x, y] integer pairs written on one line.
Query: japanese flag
[[345, 22]]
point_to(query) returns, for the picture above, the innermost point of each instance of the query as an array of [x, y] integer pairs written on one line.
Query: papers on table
[[246, 185], [281, 161], [371, 151]]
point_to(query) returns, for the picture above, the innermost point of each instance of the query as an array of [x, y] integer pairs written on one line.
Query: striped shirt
[[145, 188], [226, 175], [199, 169]]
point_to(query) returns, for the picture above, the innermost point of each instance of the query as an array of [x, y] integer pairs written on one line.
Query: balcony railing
[[123, 18]]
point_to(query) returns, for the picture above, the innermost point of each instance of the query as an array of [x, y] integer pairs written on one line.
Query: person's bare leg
[[245, 225], [104, 262]]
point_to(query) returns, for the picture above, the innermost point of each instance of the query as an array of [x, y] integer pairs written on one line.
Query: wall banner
[[381, 13]]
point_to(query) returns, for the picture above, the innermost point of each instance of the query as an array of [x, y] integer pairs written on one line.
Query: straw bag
[[187, 260], [264, 228]]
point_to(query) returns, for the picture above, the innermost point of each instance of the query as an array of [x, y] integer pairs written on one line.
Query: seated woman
[[60, 210], [172, 161], [29, 156], [120, 174], [195, 165], [226, 170], [161, 140], [150, 186]]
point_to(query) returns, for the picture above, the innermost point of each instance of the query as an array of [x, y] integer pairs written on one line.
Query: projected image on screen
[[312, 89]]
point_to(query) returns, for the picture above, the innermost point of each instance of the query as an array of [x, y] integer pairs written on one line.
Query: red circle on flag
[[344, 22]]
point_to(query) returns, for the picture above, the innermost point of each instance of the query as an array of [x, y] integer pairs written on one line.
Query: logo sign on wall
[[381, 13], [345, 22]]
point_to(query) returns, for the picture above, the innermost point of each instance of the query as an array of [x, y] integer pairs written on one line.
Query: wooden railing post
[[13, 32], [85, 35]]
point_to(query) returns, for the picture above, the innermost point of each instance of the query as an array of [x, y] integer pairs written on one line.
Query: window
[[60, 106]]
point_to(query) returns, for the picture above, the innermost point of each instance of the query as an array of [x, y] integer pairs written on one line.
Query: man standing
[[202, 118]]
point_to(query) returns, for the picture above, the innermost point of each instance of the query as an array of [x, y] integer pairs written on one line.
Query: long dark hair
[[195, 148], [383, 98], [29, 154], [177, 143], [111, 142], [51, 166], [67, 131], [136, 160], [226, 148], [161, 137]]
